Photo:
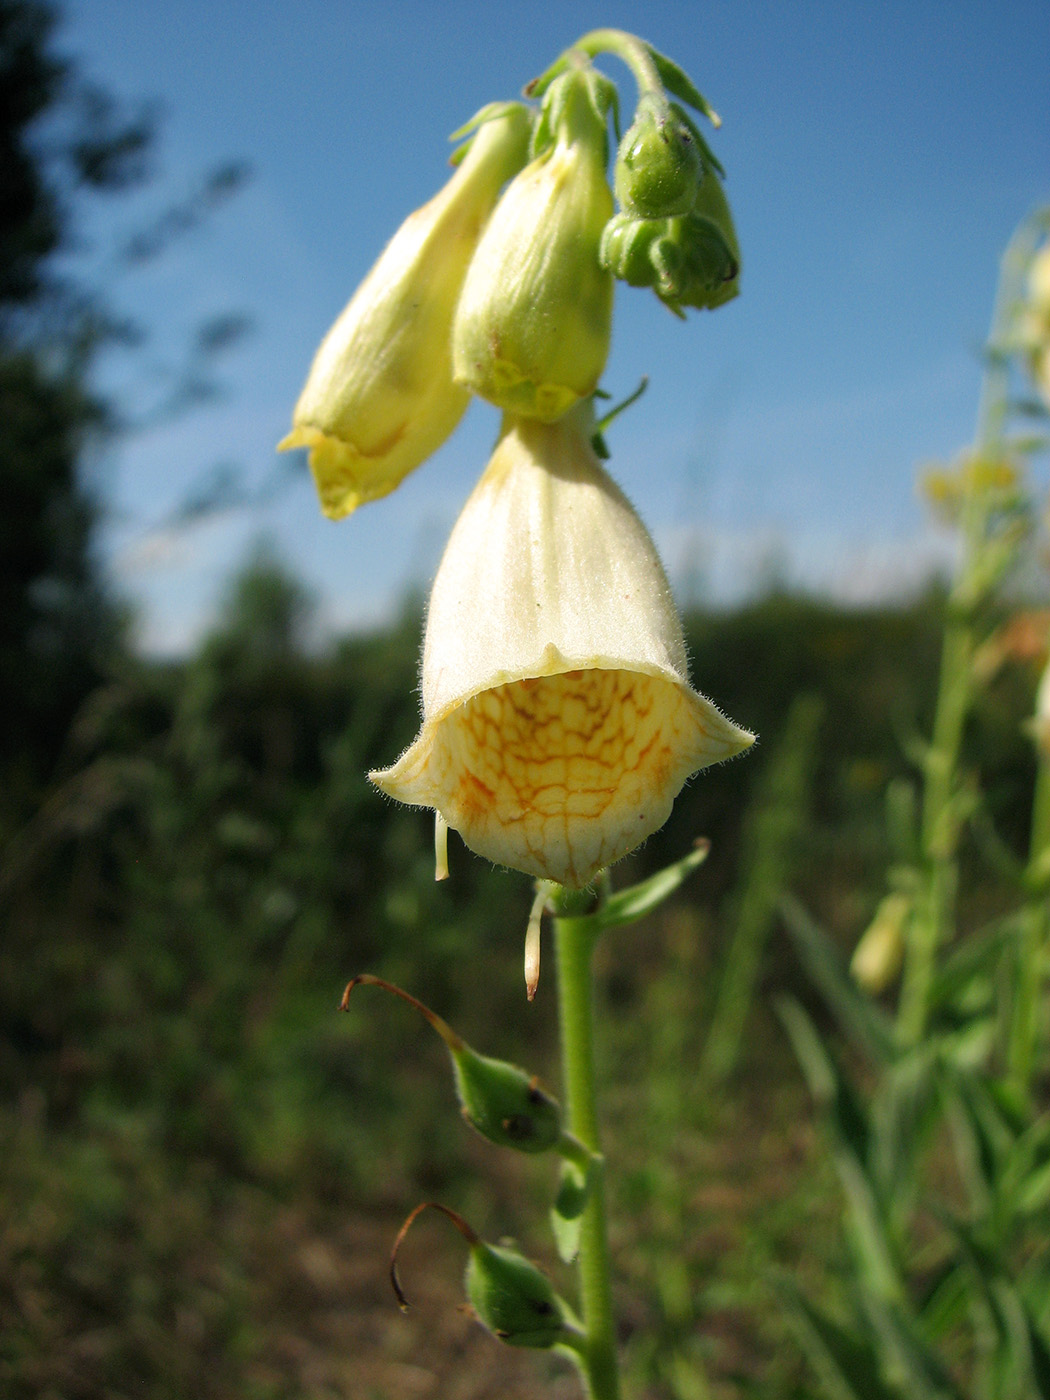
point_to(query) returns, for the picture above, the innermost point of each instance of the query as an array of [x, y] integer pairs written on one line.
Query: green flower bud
[[713, 236], [642, 253], [380, 397], [499, 1100], [510, 1296], [693, 260], [658, 166], [505, 1104], [513, 1298], [532, 328]]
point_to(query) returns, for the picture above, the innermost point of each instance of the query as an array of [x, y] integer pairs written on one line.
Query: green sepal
[[686, 260], [488, 113], [575, 105], [678, 82]]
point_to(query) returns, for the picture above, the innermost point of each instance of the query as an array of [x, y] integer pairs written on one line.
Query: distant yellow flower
[[558, 721], [1035, 321], [879, 956], [380, 397]]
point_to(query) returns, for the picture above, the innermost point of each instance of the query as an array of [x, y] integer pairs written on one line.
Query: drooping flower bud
[[380, 397], [658, 166], [499, 1100], [715, 278], [533, 325], [690, 260], [879, 956], [558, 720], [511, 1297]]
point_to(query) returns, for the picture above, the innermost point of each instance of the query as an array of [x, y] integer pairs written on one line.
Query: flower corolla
[[380, 397], [558, 720]]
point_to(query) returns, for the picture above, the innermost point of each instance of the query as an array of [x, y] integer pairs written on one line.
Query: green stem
[[1027, 1022], [939, 830], [630, 50], [574, 943]]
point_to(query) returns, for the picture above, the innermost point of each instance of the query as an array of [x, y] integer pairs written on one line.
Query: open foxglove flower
[[380, 397], [558, 720]]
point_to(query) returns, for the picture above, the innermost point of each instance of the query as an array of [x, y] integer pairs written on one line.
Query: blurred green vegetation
[[207, 865], [202, 1163]]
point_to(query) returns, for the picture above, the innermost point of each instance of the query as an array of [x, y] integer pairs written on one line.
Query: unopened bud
[[878, 957], [510, 1296], [690, 260], [721, 260], [500, 1100], [658, 166]]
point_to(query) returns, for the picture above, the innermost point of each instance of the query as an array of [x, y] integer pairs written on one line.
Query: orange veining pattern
[[562, 775]]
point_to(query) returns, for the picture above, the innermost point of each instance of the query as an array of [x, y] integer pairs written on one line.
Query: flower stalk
[[986, 554], [574, 939]]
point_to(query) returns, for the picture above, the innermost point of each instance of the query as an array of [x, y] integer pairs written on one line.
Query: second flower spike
[[380, 397], [558, 721]]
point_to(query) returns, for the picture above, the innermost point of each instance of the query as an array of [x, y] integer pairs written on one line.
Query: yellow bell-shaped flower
[[558, 720], [380, 397]]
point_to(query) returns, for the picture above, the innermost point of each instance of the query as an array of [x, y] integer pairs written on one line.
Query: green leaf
[[1034, 1192], [850, 1129], [630, 905], [574, 1190], [1027, 1360], [858, 1016], [1023, 1358], [966, 974], [847, 1364], [911, 1358], [904, 1113]]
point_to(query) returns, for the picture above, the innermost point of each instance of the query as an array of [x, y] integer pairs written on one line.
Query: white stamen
[[440, 847], [532, 940]]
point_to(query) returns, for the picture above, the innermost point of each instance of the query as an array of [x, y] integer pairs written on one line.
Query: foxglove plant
[[558, 721]]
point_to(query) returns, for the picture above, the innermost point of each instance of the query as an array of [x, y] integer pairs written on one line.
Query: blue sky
[[878, 158]]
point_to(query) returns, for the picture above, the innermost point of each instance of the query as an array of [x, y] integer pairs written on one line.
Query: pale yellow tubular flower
[[1036, 321], [558, 720], [533, 325], [1041, 720], [380, 397]]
